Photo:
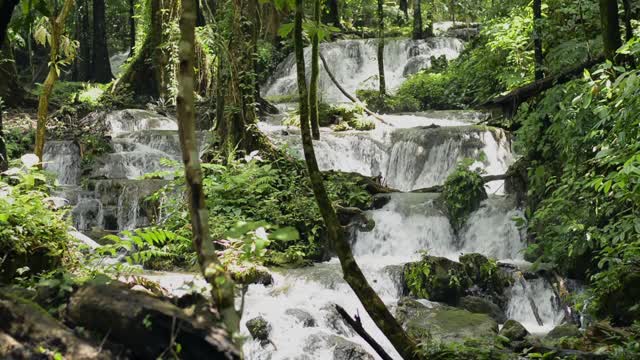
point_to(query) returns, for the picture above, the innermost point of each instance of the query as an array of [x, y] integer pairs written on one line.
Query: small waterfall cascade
[[525, 295], [115, 198], [354, 64]]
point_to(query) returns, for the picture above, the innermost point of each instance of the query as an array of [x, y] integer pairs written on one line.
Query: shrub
[[462, 193]]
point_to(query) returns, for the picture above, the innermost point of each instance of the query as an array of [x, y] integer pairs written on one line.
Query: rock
[[513, 330], [380, 200], [252, 274], [334, 321], [443, 323], [491, 279], [343, 349], [142, 323], [84, 240], [27, 331], [437, 279], [396, 273], [302, 316], [561, 331], [259, 328], [480, 305]]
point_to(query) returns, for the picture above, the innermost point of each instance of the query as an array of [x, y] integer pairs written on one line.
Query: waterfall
[[541, 294], [117, 60], [63, 159], [354, 64]]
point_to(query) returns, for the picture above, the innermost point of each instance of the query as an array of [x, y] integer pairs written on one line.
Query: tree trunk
[[336, 234], [417, 20], [57, 28], [222, 286], [404, 7], [333, 14], [382, 83], [315, 73], [83, 61], [610, 28], [627, 19], [6, 10], [100, 65], [132, 27], [537, 39]]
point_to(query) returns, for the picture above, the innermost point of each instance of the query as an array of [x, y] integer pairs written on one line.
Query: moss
[[462, 193]]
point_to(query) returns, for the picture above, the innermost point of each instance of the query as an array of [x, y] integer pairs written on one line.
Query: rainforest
[[320, 179]]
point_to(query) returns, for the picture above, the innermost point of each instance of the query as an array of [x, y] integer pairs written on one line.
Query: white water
[[354, 65], [519, 307]]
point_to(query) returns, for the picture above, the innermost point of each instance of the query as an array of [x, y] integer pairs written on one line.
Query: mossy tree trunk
[[100, 66], [537, 39], [382, 82], [57, 28], [417, 20], [610, 28], [315, 73], [222, 286], [372, 303]]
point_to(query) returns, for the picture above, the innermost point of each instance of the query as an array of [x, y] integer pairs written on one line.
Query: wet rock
[[343, 349], [334, 321], [437, 279], [444, 323], [259, 328], [302, 316], [396, 273], [513, 330], [489, 278], [562, 331], [380, 200], [480, 305]]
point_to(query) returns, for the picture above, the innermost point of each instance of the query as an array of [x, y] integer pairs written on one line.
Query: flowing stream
[[414, 151]]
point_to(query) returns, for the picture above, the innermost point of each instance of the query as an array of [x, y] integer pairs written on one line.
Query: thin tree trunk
[[537, 39], [372, 303], [333, 14], [132, 27], [404, 7], [100, 65], [383, 85], [83, 61], [6, 10], [627, 19], [57, 28], [315, 73], [222, 286], [417, 20], [610, 28]]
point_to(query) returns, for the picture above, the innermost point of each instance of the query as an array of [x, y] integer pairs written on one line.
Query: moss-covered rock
[[343, 349], [562, 331], [259, 328], [437, 279], [513, 330], [443, 323], [480, 305], [488, 276], [250, 274]]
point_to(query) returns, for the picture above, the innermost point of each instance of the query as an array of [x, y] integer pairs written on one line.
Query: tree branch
[[357, 326]]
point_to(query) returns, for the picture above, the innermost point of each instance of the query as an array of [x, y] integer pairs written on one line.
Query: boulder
[[27, 331], [513, 330], [562, 331], [143, 323], [343, 349], [437, 279], [302, 316], [480, 305], [251, 274], [334, 321], [260, 329], [443, 323]]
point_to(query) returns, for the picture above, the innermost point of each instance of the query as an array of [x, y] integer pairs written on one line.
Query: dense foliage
[[581, 140], [462, 193]]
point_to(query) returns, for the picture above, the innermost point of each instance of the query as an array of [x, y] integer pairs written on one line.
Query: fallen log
[[440, 188], [148, 325], [510, 101], [356, 325], [346, 94], [28, 332]]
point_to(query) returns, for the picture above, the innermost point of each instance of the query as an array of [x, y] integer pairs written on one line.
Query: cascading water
[[354, 64]]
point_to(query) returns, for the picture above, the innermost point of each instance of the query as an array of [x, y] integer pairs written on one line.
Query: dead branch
[[357, 326]]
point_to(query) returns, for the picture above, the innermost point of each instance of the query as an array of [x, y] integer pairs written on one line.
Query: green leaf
[[285, 234]]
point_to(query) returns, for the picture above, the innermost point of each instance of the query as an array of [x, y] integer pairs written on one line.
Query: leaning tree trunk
[[315, 73], [537, 39], [101, 68], [383, 85], [222, 286], [372, 303], [417, 20], [57, 28], [610, 28]]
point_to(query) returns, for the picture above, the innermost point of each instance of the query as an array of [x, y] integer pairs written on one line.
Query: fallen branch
[[440, 188], [345, 93], [357, 326], [517, 96]]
